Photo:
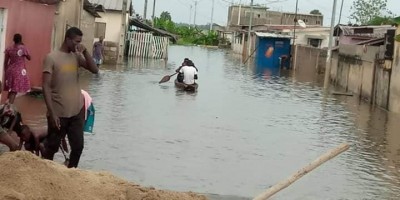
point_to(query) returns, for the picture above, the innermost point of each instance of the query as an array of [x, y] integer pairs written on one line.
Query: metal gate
[[146, 45]]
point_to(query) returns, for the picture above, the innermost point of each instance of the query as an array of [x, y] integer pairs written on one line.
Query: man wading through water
[[62, 93]]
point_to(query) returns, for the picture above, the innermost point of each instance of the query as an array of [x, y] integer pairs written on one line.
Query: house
[[34, 21], [355, 34], [109, 25], [265, 20], [224, 35], [315, 36], [113, 26], [239, 15]]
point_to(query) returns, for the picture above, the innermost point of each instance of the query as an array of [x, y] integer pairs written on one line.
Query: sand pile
[[24, 176]]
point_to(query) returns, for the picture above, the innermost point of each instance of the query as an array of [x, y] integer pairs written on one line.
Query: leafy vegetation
[[369, 11], [187, 35], [315, 12]]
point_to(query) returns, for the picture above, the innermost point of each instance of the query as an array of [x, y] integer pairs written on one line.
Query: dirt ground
[[25, 176]]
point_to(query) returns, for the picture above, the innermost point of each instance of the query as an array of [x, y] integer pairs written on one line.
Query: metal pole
[[212, 15], [329, 55], [240, 11], [121, 49], [195, 12], [154, 9], [250, 24], [340, 15], [190, 16], [145, 10], [295, 22]]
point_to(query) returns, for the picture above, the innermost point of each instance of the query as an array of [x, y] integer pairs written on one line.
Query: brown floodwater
[[245, 129]]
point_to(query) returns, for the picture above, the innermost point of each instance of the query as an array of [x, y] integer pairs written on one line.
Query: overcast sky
[[181, 12]]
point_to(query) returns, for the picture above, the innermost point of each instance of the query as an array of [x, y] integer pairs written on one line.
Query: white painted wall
[[113, 27], [302, 36]]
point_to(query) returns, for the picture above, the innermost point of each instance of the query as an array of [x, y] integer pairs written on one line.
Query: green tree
[[381, 21], [166, 16], [315, 12], [187, 34], [366, 10]]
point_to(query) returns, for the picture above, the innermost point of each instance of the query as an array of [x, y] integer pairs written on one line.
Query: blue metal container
[[273, 51]]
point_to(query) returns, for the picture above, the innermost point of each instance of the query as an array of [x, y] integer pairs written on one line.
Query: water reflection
[[244, 130]]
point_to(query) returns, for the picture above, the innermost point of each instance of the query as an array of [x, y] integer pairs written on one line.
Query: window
[[100, 29], [315, 42], [318, 22]]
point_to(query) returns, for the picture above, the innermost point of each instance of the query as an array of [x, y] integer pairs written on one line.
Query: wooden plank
[[153, 46], [134, 49], [156, 46], [319, 161], [147, 45], [137, 44]]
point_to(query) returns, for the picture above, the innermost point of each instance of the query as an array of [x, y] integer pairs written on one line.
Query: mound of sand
[[24, 176]]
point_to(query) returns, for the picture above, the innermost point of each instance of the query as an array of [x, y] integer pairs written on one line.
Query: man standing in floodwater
[[62, 93], [98, 51]]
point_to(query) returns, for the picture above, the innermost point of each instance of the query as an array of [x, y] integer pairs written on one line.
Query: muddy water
[[244, 130]]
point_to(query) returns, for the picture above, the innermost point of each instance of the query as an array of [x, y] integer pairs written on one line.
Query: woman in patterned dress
[[16, 77]]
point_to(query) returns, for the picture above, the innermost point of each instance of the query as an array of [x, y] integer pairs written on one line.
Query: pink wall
[[34, 22]]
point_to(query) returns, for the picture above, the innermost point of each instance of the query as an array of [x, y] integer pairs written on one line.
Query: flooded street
[[243, 131]]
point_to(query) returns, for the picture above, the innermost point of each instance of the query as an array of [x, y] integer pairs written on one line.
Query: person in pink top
[[16, 77]]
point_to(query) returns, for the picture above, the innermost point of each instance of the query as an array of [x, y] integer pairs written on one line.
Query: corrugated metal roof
[[109, 4], [272, 35]]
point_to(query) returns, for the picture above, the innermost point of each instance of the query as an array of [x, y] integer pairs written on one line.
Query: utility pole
[[340, 14], [190, 16], [195, 12], [121, 46], [295, 23], [329, 54], [145, 10], [240, 11], [154, 9], [212, 15], [249, 33]]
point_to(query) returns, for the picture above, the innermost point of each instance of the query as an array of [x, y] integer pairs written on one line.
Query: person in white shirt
[[189, 73]]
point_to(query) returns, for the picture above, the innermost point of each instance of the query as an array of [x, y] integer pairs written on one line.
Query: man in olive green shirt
[[63, 95]]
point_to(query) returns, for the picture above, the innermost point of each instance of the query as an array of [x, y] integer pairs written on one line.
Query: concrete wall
[[382, 81], [110, 52], [113, 25], [88, 28], [356, 69], [288, 19], [309, 60], [68, 14], [362, 70], [394, 103], [263, 16], [240, 15]]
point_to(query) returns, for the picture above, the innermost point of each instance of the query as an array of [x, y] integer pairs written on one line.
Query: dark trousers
[[73, 128], [180, 77]]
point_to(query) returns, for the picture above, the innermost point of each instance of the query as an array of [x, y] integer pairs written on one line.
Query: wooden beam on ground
[[316, 163]]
